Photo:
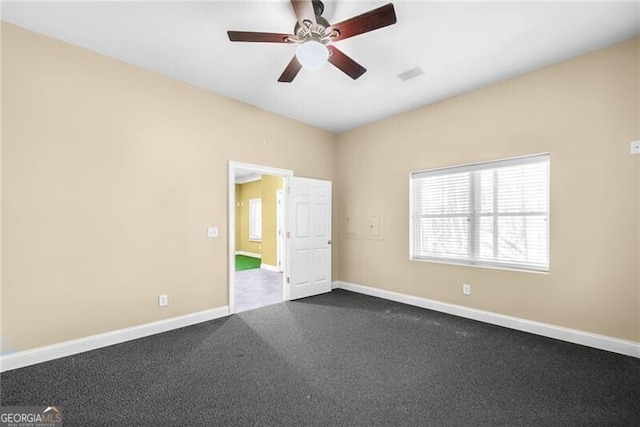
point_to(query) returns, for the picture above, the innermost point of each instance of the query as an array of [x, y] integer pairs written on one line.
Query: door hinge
[[288, 235], [288, 189], [288, 280]]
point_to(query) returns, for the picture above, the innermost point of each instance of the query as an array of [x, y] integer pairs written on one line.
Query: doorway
[[257, 192]]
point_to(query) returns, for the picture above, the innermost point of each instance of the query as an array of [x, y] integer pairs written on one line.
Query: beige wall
[[584, 112], [248, 191], [637, 137], [2, 340], [110, 176], [270, 185]]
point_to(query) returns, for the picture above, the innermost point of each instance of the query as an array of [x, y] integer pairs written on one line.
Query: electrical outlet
[[466, 289], [163, 300], [212, 231]]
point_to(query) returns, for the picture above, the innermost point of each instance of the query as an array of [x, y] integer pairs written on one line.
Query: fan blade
[[368, 21], [304, 11], [250, 36], [291, 71], [344, 63]]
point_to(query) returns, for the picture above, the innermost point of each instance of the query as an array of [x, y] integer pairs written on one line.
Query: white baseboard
[[270, 267], [602, 342], [251, 254], [55, 351]]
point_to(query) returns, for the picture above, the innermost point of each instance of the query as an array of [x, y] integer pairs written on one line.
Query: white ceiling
[[243, 176], [460, 47]]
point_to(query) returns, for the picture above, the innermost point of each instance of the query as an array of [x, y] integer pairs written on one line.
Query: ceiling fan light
[[312, 54]]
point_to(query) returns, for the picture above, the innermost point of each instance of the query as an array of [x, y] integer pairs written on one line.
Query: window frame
[[473, 216], [253, 235]]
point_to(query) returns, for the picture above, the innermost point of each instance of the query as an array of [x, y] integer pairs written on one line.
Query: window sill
[[489, 266]]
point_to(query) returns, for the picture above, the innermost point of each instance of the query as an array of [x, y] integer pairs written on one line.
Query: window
[[255, 220], [492, 214]]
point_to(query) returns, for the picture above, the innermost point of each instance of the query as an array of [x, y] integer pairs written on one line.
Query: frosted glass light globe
[[312, 54]]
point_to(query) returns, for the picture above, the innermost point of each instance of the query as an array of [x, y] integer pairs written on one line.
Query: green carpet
[[246, 262]]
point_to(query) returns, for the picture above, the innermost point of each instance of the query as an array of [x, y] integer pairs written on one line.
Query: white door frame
[[280, 217], [231, 232]]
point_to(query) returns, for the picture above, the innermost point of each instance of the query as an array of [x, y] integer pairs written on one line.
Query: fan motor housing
[[318, 8]]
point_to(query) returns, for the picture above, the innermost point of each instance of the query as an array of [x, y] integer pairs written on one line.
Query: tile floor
[[257, 288]]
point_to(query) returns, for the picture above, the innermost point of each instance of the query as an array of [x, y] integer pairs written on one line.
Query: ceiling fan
[[315, 37]]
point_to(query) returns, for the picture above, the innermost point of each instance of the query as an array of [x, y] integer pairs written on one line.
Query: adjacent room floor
[[257, 288]]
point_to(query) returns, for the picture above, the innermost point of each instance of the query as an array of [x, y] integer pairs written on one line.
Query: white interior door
[[310, 237]]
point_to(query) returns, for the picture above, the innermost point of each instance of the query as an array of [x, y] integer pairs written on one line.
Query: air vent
[[409, 74]]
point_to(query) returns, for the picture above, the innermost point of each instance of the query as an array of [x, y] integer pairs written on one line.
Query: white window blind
[[492, 214], [255, 219]]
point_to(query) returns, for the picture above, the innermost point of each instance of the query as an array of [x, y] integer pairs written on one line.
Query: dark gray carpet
[[336, 359], [257, 288]]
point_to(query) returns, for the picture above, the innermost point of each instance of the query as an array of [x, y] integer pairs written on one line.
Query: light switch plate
[[374, 226], [635, 147], [163, 300], [212, 231]]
